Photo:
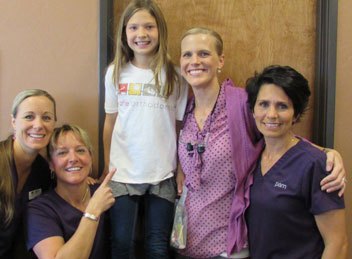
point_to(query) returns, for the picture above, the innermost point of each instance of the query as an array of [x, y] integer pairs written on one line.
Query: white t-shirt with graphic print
[[143, 144]]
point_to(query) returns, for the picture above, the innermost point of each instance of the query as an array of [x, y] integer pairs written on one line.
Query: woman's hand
[[180, 180], [91, 181], [336, 180], [102, 199]]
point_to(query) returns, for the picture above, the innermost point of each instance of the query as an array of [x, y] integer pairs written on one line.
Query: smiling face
[[199, 60], [71, 160], [273, 112], [142, 34], [34, 123]]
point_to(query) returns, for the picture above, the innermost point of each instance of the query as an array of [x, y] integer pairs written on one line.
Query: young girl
[[143, 100]]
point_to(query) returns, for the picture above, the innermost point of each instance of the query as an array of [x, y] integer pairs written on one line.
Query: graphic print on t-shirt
[[142, 90], [138, 89], [123, 88], [135, 89], [150, 90]]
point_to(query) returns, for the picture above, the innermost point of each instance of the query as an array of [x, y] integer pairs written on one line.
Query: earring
[[219, 70], [52, 174], [14, 135]]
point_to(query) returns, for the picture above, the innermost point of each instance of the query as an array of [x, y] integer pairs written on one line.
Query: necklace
[[85, 194]]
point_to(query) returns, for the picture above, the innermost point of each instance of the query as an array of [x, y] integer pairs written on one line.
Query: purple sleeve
[[319, 201], [42, 222]]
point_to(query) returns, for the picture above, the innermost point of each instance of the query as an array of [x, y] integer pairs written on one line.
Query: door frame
[[325, 73]]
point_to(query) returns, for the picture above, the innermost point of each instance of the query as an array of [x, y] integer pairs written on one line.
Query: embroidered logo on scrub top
[[280, 185], [35, 193]]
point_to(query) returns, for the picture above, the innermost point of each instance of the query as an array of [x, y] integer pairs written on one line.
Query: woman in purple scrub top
[[69, 221], [289, 215], [24, 173]]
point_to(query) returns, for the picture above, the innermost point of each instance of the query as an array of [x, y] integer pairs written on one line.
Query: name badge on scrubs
[[35, 193]]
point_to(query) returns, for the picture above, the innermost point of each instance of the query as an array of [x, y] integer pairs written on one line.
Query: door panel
[[256, 33]]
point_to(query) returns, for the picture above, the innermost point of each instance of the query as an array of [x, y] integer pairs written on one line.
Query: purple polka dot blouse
[[209, 178]]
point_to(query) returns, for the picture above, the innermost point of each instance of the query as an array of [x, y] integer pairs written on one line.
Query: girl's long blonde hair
[[123, 53]]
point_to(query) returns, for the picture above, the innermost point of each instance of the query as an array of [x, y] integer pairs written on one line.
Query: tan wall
[[51, 45], [343, 119]]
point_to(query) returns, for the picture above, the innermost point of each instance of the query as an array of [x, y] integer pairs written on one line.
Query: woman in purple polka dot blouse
[[218, 146]]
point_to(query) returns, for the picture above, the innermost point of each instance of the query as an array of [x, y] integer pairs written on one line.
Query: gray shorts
[[165, 189]]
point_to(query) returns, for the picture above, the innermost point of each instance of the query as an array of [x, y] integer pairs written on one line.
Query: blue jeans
[[158, 223]]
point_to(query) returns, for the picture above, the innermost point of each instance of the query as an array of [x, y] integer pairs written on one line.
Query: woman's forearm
[[336, 250]]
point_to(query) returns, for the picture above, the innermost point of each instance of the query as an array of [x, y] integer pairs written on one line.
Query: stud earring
[[219, 70]]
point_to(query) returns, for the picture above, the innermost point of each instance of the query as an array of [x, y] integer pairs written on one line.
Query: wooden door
[[256, 33]]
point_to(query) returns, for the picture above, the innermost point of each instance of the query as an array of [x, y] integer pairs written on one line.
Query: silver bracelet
[[90, 216]]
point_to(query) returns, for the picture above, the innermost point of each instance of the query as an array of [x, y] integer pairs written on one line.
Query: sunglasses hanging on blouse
[[191, 146], [195, 145]]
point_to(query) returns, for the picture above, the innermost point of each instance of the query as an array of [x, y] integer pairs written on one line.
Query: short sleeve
[[320, 201], [182, 98], [111, 100], [41, 222]]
